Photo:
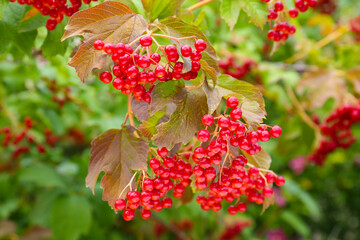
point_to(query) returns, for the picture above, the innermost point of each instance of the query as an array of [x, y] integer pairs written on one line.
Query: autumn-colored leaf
[[185, 121], [260, 160], [148, 127], [116, 152], [268, 201], [250, 98], [321, 85], [213, 96], [110, 22]]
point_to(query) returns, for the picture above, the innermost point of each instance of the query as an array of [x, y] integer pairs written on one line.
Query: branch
[[199, 4]]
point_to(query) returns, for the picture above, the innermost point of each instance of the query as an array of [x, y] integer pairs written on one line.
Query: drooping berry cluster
[[171, 173], [20, 142], [231, 67], [336, 131], [355, 27], [278, 13], [55, 9], [137, 70], [229, 176]]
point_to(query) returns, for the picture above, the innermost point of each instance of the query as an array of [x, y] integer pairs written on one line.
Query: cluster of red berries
[[233, 231], [18, 143], [282, 29], [234, 69], [56, 9], [336, 131], [355, 27], [171, 173], [136, 71], [233, 178]]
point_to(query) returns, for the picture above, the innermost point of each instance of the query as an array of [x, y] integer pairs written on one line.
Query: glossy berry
[[207, 119], [241, 207], [280, 181], [203, 135], [128, 214], [106, 77], [232, 210], [99, 45], [232, 102], [200, 45], [146, 41], [275, 131], [293, 13], [162, 151], [186, 50], [145, 214], [120, 204], [278, 6]]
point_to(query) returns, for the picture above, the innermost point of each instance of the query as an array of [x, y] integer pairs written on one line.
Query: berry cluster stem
[[199, 4]]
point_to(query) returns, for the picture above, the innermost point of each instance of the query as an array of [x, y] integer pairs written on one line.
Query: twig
[[130, 113], [199, 4]]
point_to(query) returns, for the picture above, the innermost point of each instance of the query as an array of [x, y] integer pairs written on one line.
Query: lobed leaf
[[116, 152], [185, 121], [256, 10], [230, 11], [110, 22]]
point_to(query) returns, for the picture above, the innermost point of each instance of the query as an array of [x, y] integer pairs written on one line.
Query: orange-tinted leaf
[[109, 21], [116, 152], [321, 85]]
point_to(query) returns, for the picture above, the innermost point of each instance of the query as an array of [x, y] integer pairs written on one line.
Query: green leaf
[[9, 24], [25, 41], [256, 10], [148, 127], [33, 23], [250, 98], [295, 190], [116, 152], [52, 44], [70, 217], [40, 212], [3, 5], [41, 175], [185, 121], [259, 160], [161, 8], [230, 11], [297, 223]]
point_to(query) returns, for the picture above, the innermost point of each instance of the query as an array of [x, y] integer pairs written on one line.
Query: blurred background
[[51, 118]]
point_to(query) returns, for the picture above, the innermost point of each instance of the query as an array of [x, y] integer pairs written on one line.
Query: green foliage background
[[48, 190]]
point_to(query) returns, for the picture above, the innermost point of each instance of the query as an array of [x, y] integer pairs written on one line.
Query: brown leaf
[[110, 22], [37, 233], [321, 85], [116, 152], [267, 202], [7, 228], [213, 96]]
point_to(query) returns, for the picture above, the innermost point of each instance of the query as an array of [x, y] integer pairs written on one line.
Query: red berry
[[267, 191], [171, 50], [133, 196], [236, 113], [207, 119], [280, 181], [128, 214], [224, 122], [120, 204], [145, 214], [203, 135], [293, 13], [155, 57], [167, 202], [106, 77], [146, 41], [160, 71], [232, 102], [275, 131], [109, 48], [200, 45], [278, 6], [232, 210], [186, 50], [162, 151], [99, 45], [241, 207]]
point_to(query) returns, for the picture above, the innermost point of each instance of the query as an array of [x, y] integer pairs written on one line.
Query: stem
[[222, 166], [129, 184], [173, 38], [323, 42], [193, 86], [200, 4], [130, 113]]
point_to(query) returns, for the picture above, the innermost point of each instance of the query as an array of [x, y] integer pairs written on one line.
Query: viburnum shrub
[[186, 141], [336, 132], [55, 9]]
